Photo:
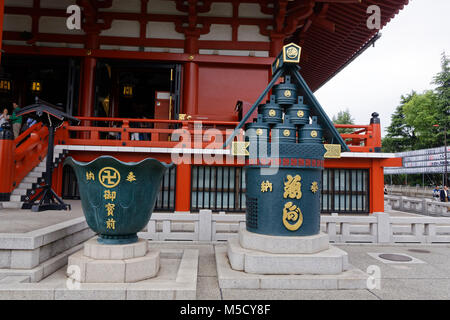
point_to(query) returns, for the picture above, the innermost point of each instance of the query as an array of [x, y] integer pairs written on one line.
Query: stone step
[[19, 192], [25, 185], [35, 174], [330, 261], [29, 179], [11, 205], [15, 198]]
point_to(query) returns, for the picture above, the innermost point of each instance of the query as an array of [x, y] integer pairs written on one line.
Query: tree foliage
[[420, 119], [343, 117]]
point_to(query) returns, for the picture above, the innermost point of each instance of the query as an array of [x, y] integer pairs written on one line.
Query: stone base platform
[[274, 262], [100, 263], [228, 278], [175, 280], [330, 261]]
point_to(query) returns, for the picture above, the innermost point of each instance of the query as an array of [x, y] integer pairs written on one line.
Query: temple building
[[139, 72]]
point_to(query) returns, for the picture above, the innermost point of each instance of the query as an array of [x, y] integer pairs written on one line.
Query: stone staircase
[[35, 177]]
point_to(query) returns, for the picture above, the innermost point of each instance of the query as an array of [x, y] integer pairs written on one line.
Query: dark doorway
[[54, 79], [128, 89]]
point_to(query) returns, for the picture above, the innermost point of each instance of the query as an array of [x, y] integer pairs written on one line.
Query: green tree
[[421, 113], [400, 135], [442, 81], [343, 117]]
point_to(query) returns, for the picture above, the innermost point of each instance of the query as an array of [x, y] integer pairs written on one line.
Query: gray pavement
[[23, 221], [426, 277], [428, 280]]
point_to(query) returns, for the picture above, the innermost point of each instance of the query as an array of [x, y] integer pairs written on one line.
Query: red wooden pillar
[[183, 189], [87, 92], [375, 142], [7, 169], [87, 87], [376, 186], [57, 179], [276, 44], [190, 88]]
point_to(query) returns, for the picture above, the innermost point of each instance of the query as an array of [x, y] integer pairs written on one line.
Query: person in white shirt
[[3, 118]]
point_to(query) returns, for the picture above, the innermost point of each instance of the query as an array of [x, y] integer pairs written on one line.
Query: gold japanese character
[[111, 224], [131, 177], [108, 195], [110, 208], [90, 175], [265, 186], [292, 187], [314, 187], [292, 216]]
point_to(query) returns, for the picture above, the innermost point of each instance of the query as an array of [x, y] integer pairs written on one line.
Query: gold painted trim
[[333, 151]]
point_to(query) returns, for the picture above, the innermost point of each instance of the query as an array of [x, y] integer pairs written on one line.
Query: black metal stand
[[50, 200]]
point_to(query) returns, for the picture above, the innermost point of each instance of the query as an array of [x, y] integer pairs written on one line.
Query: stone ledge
[[95, 250], [278, 244], [44, 269], [330, 261], [182, 285], [228, 278], [38, 238], [114, 271]]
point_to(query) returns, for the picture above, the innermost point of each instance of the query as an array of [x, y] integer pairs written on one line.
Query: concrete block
[[76, 265], [235, 256], [278, 244], [384, 227], [5, 258], [24, 259], [95, 250], [232, 279], [105, 271], [330, 261], [141, 268], [205, 217]]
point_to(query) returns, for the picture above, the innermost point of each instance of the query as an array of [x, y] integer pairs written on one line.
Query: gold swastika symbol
[[109, 177]]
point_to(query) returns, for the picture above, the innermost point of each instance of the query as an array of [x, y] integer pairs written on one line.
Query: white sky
[[405, 58]]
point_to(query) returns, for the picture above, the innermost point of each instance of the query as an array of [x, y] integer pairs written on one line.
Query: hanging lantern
[[5, 85], [36, 86], [127, 90]]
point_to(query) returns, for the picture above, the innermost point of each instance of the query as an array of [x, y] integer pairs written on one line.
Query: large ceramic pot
[[118, 197]]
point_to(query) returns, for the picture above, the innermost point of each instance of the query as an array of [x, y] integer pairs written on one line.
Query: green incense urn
[[118, 197]]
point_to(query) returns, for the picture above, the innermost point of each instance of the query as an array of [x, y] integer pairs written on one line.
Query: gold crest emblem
[[287, 93], [292, 52], [259, 132], [109, 177], [272, 113], [314, 133], [286, 133], [300, 113]]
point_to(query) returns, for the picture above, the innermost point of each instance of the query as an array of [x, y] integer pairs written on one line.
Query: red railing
[[19, 156], [30, 147], [152, 132], [364, 138], [160, 133]]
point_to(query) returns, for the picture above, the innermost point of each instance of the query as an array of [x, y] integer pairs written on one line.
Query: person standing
[[3, 118], [16, 121], [443, 194]]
